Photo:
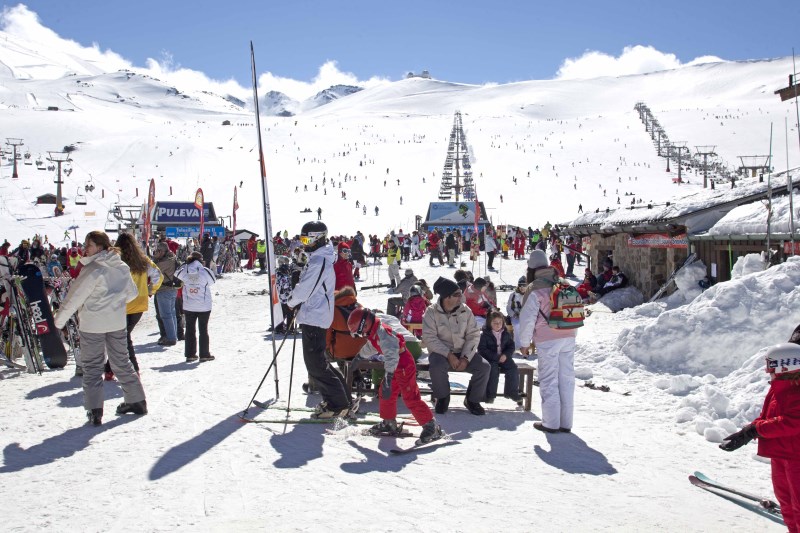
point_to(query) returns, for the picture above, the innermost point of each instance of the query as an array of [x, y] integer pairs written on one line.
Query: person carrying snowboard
[[400, 377], [778, 429]]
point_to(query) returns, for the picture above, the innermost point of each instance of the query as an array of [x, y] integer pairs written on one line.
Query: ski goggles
[[345, 252]]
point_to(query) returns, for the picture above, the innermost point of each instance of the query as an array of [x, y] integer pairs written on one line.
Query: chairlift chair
[[111, 224], [79, 198]]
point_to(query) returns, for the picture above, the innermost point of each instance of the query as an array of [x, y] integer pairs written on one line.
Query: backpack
[[567, 310], [566, 307]]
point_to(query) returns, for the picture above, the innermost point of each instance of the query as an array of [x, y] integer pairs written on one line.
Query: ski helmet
[[783, 359], [314, 235], [283, 260], [415, 290], [360, 322]]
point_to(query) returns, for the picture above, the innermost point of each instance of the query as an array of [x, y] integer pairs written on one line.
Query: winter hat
[[409, 272], [538, 259], [479, 283], [444, 287]]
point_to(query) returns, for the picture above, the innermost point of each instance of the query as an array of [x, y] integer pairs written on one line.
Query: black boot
[[442, 404], [474, 407], [95, 416], [137, 408]]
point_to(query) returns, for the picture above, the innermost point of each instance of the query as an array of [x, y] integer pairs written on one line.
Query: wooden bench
[[526, 375]]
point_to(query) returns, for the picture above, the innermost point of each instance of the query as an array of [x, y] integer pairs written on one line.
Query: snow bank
[[721, 328], [720, 407], [747, 264], [622, 298]]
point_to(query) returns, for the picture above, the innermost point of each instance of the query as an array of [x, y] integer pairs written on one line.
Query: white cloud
[[633, 60], [23, 23], [328, 75]]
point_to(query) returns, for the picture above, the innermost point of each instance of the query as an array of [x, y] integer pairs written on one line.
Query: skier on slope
[[400, 377], [777, 428]]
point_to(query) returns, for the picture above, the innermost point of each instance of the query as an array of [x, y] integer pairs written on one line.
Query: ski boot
[[323, 411], [137, 408], [78, 370], [95, 416], [387, 428], [431, 431]]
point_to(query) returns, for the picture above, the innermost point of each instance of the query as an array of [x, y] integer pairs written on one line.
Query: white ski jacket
[[197, 281], [315, 289], [99, 294]]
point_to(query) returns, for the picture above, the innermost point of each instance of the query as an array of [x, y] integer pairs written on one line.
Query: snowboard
[[53, 351]]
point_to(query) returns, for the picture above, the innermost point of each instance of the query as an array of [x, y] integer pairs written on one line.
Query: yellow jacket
[[147, 283]]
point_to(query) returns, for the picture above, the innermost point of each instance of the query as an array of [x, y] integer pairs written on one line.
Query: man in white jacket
[[314, 294]]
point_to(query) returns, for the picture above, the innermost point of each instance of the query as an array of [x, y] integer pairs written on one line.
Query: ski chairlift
[[79, 198], [89, 186], [111, 224]]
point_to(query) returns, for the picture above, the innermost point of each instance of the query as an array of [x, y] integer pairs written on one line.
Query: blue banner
[[182, 213], [183, 232]]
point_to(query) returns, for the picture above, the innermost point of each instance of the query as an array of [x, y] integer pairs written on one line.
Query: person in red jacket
[[778, 430], [414, 308], [251, 252], [519, 245], [400, 378], [343, 267], [555, 262]]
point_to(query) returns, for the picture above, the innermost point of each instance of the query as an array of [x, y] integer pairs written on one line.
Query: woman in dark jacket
[[497, 347]]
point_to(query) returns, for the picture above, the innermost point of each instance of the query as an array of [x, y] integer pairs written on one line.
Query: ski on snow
[[763, 506], [445, 440]]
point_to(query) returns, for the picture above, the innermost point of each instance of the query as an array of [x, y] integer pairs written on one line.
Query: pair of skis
[[445, 440], [762, 506]]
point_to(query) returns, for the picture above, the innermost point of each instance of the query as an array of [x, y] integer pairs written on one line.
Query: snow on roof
[[682, 206], [751, 219]]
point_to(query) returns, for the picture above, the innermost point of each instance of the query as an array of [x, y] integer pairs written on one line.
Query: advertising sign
[[658, 240]]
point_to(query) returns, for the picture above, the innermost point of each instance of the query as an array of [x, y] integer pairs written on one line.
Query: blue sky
[[463, 41]]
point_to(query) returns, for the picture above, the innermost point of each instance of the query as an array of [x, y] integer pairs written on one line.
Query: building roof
[[679, 211]]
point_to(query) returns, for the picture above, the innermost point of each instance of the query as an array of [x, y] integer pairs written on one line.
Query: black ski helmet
[[314, 235]]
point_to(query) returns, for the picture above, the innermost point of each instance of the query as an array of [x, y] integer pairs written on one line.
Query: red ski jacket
[[778, 426]]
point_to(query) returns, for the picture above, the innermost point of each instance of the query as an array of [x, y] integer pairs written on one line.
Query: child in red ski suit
[[401, 375], [778, 430]]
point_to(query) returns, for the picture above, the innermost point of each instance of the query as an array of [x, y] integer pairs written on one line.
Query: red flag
[[199, 204], [235, 207]]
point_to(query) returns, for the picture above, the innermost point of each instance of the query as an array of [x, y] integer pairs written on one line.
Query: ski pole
[[274, 358], [291, 377]]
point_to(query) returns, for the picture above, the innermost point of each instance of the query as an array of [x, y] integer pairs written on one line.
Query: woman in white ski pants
[[555, 348]]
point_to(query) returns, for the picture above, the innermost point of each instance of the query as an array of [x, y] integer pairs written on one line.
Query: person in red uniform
[[414, 308], [343, 267], [251, 252], [401, 375], [778, 430]]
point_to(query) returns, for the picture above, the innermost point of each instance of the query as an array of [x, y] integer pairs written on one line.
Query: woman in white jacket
[[197, 281], [100, 295]]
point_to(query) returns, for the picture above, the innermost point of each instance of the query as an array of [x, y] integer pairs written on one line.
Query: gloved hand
[[734, 441], [386, 385]]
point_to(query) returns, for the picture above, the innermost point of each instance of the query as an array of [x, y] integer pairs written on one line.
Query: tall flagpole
[[276, 313]]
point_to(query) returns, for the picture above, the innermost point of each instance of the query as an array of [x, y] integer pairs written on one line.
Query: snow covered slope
[[579, 140]]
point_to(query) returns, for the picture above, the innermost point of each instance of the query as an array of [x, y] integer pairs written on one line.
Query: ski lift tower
[[58, 158], [706, 151], [754, 165], [456, 160], [13, 142], [680, 146]]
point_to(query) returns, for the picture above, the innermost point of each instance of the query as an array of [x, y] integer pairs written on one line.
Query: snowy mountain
[[333, 93], [278, 104]]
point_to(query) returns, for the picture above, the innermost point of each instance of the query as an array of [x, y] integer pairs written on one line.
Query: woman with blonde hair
[[148, 279], [100, 296]]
